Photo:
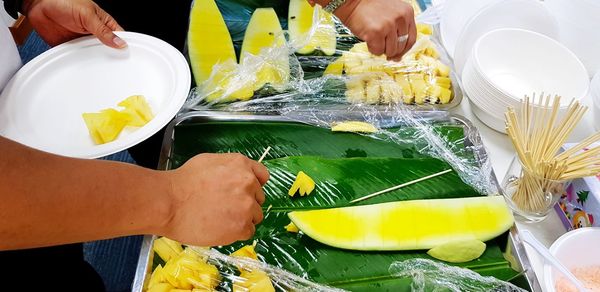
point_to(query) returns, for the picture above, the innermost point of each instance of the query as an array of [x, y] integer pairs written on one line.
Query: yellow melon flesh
[[264, 48], [407, 225], [209, 41], [312, 28], [251, 279]]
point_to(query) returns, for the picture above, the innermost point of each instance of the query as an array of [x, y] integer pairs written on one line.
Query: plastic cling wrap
[[428, 275], [316, 57], [207, 269]]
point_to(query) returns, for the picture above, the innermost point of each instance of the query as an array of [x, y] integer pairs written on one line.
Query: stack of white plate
[[524, 14], [507, 64], [579, 29], [595, 95]]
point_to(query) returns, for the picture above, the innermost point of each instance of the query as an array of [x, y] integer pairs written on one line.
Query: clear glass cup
[[529, 194]]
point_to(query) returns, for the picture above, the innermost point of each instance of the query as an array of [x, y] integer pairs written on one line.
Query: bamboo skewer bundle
[[537, 134]]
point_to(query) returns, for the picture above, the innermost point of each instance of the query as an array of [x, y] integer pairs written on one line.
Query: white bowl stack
[[507, 64], [579, 29]]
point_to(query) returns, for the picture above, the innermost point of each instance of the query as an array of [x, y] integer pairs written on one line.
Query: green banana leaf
[[296, 139], [344, 166]]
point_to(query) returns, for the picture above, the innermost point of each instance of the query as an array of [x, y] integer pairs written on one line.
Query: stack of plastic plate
[[524, 14], [507, 64], [579, 28]]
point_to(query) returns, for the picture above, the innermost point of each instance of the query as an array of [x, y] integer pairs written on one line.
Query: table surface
[[501, 153]]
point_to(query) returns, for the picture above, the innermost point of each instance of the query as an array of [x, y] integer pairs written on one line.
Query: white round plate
[[42, 104], [455, 15], [524, 14]]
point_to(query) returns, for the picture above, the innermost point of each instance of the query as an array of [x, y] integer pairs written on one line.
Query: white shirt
[[10, 61]]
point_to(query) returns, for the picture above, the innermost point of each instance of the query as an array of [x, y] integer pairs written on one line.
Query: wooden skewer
[[264, 154], [400, 186]]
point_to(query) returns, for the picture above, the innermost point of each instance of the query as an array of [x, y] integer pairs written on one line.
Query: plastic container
[[577, 248]]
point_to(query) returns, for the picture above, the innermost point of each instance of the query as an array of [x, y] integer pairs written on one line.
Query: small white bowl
[[577, 248], [525, 14], [519, 62]]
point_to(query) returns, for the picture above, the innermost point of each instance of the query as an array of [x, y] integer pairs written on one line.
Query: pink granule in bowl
[[589, 276]]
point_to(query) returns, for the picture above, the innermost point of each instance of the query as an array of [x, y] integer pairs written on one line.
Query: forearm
[[48, 199]]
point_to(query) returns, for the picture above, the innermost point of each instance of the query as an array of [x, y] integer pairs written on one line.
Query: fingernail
[[119, 42]]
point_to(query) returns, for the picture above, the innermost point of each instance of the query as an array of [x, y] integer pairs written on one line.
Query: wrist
[[162, 202], [345, 10]]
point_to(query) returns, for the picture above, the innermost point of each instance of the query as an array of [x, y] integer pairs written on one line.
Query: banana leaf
[[344, 166], [296, 139]]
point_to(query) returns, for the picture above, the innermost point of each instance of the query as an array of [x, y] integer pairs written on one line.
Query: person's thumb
[[102, 25]]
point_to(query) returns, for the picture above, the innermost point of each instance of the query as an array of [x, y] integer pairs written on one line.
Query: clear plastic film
[[208, 269], [428, 275], [322, 60]]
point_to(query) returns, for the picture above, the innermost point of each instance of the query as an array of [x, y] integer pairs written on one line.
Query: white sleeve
[[9, 56]]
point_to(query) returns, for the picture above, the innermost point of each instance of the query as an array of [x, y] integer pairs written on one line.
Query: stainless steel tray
[[515, 247]]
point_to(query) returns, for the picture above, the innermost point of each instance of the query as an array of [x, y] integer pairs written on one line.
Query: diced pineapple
[[188, 270], [372, 92], [246, 252], [424, 28], [419, 88], [167, 248], [442, 69], [157, 277], [139, 110], [251, 279], [360, 48], [303, 185], [106, 125], [161, 287], [335, 68], [292, 228]]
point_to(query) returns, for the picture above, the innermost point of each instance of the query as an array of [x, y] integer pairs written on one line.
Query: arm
[[380, 23], [48, 199]]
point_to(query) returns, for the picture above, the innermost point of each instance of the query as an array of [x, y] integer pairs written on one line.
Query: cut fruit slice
[[106, 125], [167, 248], [264, 44], [311, 27], [226, 84], [461, 251], [292, 228], [303, 185], [407, 225], [354, 127], [251, 279], [138, 108], [209, 41]]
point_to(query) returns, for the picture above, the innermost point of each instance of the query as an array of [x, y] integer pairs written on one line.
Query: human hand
[[381, 23], [216, 199], [58, 21]]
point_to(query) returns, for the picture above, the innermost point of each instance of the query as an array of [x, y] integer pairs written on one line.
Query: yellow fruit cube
[[442, 69], [157, 277], [292, 228], [373, 91], [245, 252], [255, 280], [335, 68], [161, 287], [303, 184], [106, 125], [139, 110], [167, 248], [419, 87], [424, 28]]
